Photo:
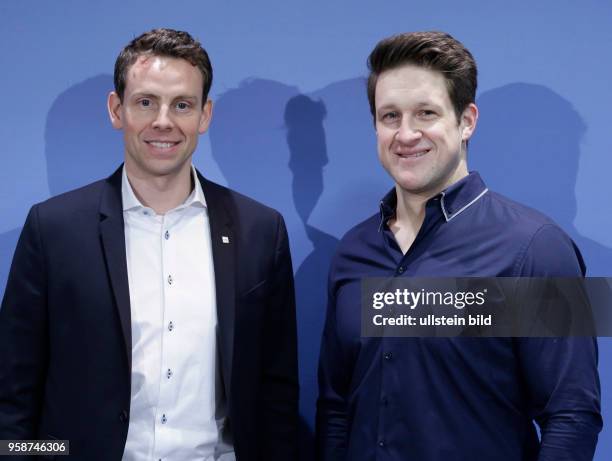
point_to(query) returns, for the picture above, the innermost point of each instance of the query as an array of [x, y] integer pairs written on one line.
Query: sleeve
[[23, 337], [560, 373], [332, 420], [280, 386]]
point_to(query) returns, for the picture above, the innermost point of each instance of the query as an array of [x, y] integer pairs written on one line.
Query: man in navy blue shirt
[[429, 399]]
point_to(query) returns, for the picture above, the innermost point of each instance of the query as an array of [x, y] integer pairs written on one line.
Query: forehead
[[164, 75], [411, 84]]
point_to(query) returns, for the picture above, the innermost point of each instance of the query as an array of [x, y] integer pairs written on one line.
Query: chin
[[410, 184]]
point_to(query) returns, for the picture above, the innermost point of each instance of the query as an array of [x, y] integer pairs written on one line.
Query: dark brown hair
[[437, 51], [163, 42]]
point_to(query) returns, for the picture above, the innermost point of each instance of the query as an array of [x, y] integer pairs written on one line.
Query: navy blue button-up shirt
[[452, 399]]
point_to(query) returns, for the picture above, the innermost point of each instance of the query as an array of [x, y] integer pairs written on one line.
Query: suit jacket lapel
[[223, 249], [113, 242]]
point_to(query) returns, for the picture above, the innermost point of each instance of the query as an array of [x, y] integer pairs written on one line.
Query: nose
[[406, 133], [163, 121]]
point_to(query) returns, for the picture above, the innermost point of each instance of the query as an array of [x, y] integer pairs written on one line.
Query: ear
[[113, 105], [469, 118], [205, 117]]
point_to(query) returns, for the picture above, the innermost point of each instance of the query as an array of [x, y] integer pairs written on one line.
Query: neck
[[161, 193], [410, 210]]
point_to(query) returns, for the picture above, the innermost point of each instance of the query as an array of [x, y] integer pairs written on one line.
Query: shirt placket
[[171, 284], [390, 363]]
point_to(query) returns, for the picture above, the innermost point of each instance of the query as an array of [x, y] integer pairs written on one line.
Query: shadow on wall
[[355, 181], [269, 143], [527, 147], [247, 138], [80, 147], [307, 145]]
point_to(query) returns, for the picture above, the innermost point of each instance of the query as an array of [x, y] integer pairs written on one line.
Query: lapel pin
[[225, 239]]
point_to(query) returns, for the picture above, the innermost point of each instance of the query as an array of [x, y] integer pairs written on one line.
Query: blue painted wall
[[291, 125]]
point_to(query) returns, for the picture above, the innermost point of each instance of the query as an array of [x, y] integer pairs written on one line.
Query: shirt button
[[169, 373], [170, 326], [400, 270], [169, 280], [164, 419], [388, 355], [167, 235], [384, 401], [381, 443]]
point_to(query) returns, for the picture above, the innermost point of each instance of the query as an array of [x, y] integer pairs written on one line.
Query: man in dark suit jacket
[[72, 359]]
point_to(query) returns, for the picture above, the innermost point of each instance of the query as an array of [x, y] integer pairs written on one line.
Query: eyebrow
[[428, 104], [191, 98], [419, 105], [386, 107], [144, 95], [154, 96]]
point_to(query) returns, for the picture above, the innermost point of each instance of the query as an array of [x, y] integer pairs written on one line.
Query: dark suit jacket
[[65, 335]]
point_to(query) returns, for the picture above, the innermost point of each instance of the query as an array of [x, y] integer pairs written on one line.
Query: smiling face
[[161, 116], [420, 141]]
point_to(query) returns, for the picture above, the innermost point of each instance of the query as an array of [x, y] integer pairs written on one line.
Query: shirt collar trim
[[459, 196], [449, 216], [454, 200]]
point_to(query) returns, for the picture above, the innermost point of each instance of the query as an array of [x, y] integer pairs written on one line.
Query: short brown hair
[[437, 51], [163, 42]]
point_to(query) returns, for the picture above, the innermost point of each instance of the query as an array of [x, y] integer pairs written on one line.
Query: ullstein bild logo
[[486, 307]]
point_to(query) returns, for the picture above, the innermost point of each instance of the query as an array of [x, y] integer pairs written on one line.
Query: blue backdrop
[[291, 125]]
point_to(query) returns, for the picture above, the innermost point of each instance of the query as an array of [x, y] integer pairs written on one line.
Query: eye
[[144, 102], [426, 114], [183, 106], [390, 116]]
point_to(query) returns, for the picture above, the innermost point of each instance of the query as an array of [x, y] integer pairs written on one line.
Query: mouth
[[413, 154], [162, 144]]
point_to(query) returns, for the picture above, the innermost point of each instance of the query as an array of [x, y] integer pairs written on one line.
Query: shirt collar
[[453, 200], [130, 201]]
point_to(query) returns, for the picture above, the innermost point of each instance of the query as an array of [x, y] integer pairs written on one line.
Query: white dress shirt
[[174, 321]]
